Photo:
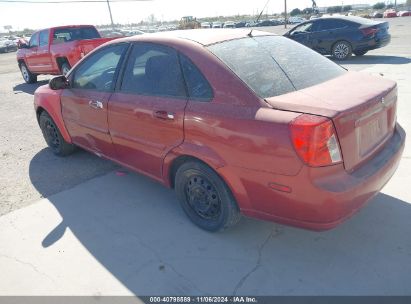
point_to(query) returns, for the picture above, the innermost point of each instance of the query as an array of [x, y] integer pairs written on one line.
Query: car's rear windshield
[[75, 33], [275, 65]]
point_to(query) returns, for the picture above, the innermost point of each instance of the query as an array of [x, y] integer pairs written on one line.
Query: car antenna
[[250, 34]]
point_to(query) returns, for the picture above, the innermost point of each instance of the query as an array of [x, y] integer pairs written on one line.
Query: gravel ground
[[23, 151], [22, 147]]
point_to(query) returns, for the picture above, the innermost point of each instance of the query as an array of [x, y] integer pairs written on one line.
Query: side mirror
[[23, 46], [59, 83]]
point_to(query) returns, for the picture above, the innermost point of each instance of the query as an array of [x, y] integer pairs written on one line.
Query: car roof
[[355, 19], [202, 36]]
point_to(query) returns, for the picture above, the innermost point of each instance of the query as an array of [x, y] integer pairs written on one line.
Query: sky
[[36, 16]]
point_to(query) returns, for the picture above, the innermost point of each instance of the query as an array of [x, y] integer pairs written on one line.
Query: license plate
[[372, 134]]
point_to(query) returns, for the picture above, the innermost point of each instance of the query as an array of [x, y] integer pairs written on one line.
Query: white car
[[229, 24], [296, 20], [217, 24]]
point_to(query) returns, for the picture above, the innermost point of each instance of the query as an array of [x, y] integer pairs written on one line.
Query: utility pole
[[285, 13], [111, 16]]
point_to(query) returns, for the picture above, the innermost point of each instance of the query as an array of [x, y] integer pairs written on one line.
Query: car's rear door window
[[275, 65], [197, 85], [155, 70], [332, 24]]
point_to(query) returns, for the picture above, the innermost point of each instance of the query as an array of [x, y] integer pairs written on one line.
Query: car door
[[43, 59], [146, 112], [327, 33], [31, 52], [84, 103]]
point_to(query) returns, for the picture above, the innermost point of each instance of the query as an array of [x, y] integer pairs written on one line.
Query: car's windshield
[[275, 65], [75, 33]]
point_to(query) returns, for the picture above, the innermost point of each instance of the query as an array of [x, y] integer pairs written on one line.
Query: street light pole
[[285, 13], [111, 16]]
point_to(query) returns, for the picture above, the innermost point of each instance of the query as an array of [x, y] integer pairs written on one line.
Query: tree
[[309, 10], [347, 8], [334, 9], [379, 5], [390, 6], [295, 12], [408, 3]]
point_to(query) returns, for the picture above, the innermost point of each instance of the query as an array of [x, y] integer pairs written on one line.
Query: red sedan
[[237, 121]]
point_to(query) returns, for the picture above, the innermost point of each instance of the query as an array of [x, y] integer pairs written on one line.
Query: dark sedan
[[341, 36]]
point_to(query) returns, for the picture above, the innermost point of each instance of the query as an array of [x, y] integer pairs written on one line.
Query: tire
[[205, 197], [65, 68], [360, 53], [28, 76], [53, 137], [341, 50]]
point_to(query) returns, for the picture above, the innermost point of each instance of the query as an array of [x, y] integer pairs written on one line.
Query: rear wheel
[[53, 137], [360, 53], [28, 76], [205, 197], [65, 68], [341, 50]]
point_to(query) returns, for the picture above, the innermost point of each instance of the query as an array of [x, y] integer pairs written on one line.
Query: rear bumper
[[320, 198], [374, 43]]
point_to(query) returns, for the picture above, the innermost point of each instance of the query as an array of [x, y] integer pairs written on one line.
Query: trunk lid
[[362, 108]]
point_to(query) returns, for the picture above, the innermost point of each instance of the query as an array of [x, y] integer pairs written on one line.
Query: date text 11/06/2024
[[199, 299]]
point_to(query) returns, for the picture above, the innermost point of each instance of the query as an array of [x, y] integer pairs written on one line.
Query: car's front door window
[[304, 28], [97, 72], [34, 40]]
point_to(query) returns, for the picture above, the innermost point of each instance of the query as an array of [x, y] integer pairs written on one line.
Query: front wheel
[[205, 197], [28, 76], [360, 53], [53, 137], [341, 50]]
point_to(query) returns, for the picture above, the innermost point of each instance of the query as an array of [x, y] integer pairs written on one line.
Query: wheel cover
[[25, 73], [203, 197], [52, 135], [341, 50]]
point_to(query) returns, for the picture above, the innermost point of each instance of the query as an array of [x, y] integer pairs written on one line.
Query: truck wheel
[[53, 137], [28, 76], [65, 68], [205, 197]]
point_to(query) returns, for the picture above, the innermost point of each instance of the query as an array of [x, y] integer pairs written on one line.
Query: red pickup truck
[[55, 50]]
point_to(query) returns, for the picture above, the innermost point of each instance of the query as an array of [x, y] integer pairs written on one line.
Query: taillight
[[369, 31], [315, 140]]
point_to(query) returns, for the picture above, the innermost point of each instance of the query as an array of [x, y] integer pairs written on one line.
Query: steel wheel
[[203, 198], [53, 137], [342, 50]]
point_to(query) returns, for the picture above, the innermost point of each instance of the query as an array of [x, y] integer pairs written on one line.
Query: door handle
[[164, 115], [95, 104]]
